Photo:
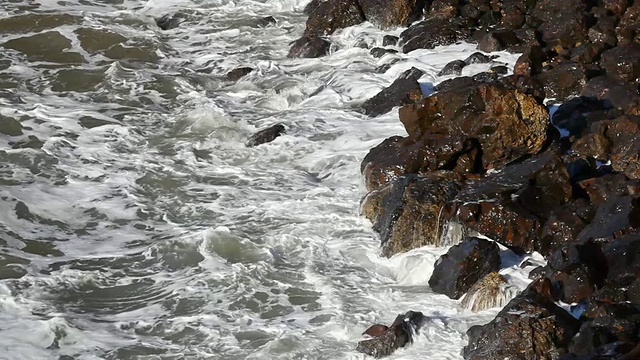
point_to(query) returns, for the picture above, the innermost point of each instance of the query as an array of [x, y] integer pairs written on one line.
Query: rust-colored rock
[[489, 292], [386, 14], [328, 16]]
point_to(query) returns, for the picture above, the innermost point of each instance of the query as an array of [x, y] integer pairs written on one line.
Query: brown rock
[[491, 291], [622, 63], [328, 16], [386, 14], [309, 47], [431, 33], [563, 81]]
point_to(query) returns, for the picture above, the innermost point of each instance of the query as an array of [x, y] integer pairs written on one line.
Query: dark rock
[[311, 6], [526, 84], [407, 212], [622, 63], [603, 33], [625, 144], [238, 73], [31, 142], [431, 33], [443, 9], [573, 115], [500, 70], [592, 145], [267, 135], [10, 126], [463, 265], [170, 21], [608, 187], [530, 62], [510, 206], [309, 47], [388, 339], [377, 52], [628, 29], [390, 40], [498, 40], [616, 93], [266, 21], [530, 327], [617, 7], [564, 81], [564, 224], [562, 24], [489, 292], [454, 67], [507, 123], [587, 53], [386, 14], [615, 217], [479, 58], [623, 260], [398, 93], [326, 17]]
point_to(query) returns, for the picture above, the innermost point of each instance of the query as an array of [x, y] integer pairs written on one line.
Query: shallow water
[[135, 222]]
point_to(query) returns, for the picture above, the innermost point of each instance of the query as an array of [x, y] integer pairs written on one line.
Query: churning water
[[136, 224]]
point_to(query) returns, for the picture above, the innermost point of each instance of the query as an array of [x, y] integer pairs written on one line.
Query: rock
[[628, 29], [507, 123], [617, 7], [463, 265], [622, 256], [603, 33], [564, 224], [608, 187], [530, 62], [510, 206], [386, 14], [498, 40], [266, 21], [443, 9], [615, 217], [621, 63], [499, 70], [390, 40], [575, 115], [395, 95], [170, 21], [431, 33], [10, 126], [328, 16], [309, 47], [377, 52], [563, 81], [479, 58], [267, 135], [388, 339], [489, 292], [625, 145], [408, 213], [562, 24], [620, 95], [454, 67], [31, 142], [530, 327], [592, 145], [237, 73]]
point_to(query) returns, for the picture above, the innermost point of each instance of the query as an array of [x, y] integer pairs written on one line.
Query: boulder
[[170, 21], [431, 33], [614, 92], [266, 135], [498, 40], [309, 47], [564, 224], [608, 187], [386, 14], [489, 292], [479, 58], [577, 115], [398, 93], [443, 9], [530, 327], [562, 24], [628, 29], [507, 123], [326, 17], [237, 73], [407, 212], [615, 217], [463, 265], [564, 80], [377, 52], [530, 62], [622, 63], [390, 40], [387, 339], [453, 68]]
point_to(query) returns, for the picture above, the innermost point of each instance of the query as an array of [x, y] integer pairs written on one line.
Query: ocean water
[[136, 224]]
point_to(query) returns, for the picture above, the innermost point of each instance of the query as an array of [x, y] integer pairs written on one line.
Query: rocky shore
[[485, 154]]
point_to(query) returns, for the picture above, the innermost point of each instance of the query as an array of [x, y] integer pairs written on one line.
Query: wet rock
[[564, 224], [563, 81], [498, 40], [623, 260], [530, 327], [507, 123], [266, 21], [309, 47], [10, 126], [30, 142], [511, 205], [562, 24], [386, 14], [587, 53], [390, 40], [617, 7], [608, 187], [530, 62], [592, 145], [443, 9], [628, 29], [431, 33], [625, 145], [50, 46], [408, 211], [387, 339], [615, 217], [326, 17], [266, 135], [499, 70], [616, 93], [575, 115], [398, 93], [479, 58], [603, 32], [463, 265], [237, 73], [454, 67], [622, 63], [170, 21], [377, 52], [489, 292]]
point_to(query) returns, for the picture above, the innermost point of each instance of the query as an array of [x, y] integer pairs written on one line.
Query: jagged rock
[[621, 63], [390, 40], [563, 81], [326, 17], [616, 93], [563, 24], [530, 327], [498, 40], [386, 14], [387, 339], [575, 115], [238, 73], [267, 135], [491, 291], [564, 224], [608, 187], [377, 52], [309, 47], [443, 9], [10, 126], [623, 260], [530, 62], [479, 58], [170, 21], [398, 93], [511, 205], [507, 123], [454, 67], [628, 29], [615, 217], [407, 212], [266, 21], [463, 265], [603, 33], [431, 33]]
